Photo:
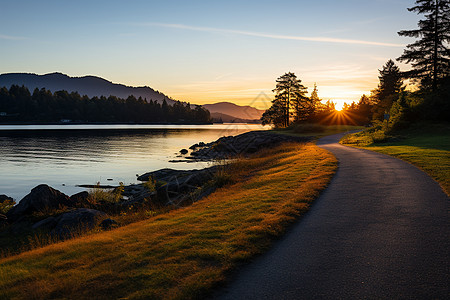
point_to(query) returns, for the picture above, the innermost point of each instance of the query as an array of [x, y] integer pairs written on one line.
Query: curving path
[[379, 231]]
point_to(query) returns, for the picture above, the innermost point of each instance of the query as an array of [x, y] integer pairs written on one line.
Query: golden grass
[[185, 253]]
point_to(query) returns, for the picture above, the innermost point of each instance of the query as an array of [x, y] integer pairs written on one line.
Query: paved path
[[379, 231]]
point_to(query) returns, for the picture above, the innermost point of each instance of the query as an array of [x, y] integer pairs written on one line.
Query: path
[[380, 230]]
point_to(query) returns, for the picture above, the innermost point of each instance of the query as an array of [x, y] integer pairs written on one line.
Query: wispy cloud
[[9, 37], [272, 36]]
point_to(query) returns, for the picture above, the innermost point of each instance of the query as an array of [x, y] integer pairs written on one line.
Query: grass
[[316, 130], [185, 253], [426, 146]]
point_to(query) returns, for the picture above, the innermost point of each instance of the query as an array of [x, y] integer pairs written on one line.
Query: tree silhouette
[[430, 55], [290, 101], [388, 89]]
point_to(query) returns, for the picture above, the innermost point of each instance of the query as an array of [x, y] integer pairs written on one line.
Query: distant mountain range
[[237, 111], [86, 85], [96, 86]]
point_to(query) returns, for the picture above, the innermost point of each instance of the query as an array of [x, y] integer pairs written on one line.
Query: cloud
[[272, 36], [9, 37]]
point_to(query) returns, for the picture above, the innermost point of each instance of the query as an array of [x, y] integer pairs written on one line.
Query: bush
[[98, 195], [6, 205], [366, 137]]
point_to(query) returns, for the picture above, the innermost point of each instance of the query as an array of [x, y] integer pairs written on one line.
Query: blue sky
[[209, 51]]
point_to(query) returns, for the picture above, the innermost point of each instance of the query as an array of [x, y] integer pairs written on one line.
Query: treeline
[[292, 106], [18, 105], [389, 105]]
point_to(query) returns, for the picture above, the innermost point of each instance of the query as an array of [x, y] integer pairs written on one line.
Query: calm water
[[68, 155]]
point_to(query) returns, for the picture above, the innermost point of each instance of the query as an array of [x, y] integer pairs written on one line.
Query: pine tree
[[388, 89], [316, 101], [430, 55], [291, 95], [390, 80]]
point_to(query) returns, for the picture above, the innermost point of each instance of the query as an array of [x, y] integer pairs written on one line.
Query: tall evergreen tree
[[290, 93], [315, 100], [390, 80], [388, 89], [430, 54]]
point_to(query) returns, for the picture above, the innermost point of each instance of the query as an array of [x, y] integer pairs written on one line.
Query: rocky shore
[[240, 145], [46, 210]]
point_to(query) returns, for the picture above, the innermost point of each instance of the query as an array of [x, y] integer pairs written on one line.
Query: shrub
[[6, 205], [366, 137]]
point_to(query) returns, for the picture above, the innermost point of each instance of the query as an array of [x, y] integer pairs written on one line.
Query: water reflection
[[65, 158]]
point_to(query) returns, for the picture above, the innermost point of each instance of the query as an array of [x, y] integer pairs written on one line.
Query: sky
[[209, 51]]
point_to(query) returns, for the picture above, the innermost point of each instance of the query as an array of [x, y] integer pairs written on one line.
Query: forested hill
[[19, 106], [87, 85], [237, 111]]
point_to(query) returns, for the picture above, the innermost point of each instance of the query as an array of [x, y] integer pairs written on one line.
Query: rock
[[46, 224], [3, 220], [76, 221], [193, 147], [137, 195], [80, 199], [41, 198], [178, 184], [243, 144], [3, 198], [184, 151], [108, 224]]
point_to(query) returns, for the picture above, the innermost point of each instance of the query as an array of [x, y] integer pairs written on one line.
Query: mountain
[[86, 85], [237, 111], [96, 86], [223, 118]]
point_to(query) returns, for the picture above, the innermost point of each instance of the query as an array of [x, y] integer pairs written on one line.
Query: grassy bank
[[427, 146], [185, 253], [316, 130]]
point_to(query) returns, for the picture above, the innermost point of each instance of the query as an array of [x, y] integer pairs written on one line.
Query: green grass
[[316, 130], [426, 146], [184, 253]]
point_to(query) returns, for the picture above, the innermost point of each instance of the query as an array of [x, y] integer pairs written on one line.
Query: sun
[[339, 106]]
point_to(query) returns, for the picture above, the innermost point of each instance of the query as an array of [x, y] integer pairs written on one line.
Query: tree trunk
[[436, 43]]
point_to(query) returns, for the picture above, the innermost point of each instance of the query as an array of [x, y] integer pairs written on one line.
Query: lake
[[64, 156]]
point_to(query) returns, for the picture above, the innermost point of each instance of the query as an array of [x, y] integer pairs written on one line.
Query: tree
[[290, 101], [430, 55], [388, 89], [274, 115], [316, 101], [390, 80]]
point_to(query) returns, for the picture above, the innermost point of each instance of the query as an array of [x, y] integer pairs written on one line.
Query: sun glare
[[339, 106]]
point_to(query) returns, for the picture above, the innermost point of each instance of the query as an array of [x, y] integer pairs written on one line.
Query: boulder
[[3, 198], [193, 147], [3, 220], [177, 185], [46, 224], [108, 224], [80, 199], [184, 151], [137, 195], [243, 144], [41, 198], [76, 221]]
